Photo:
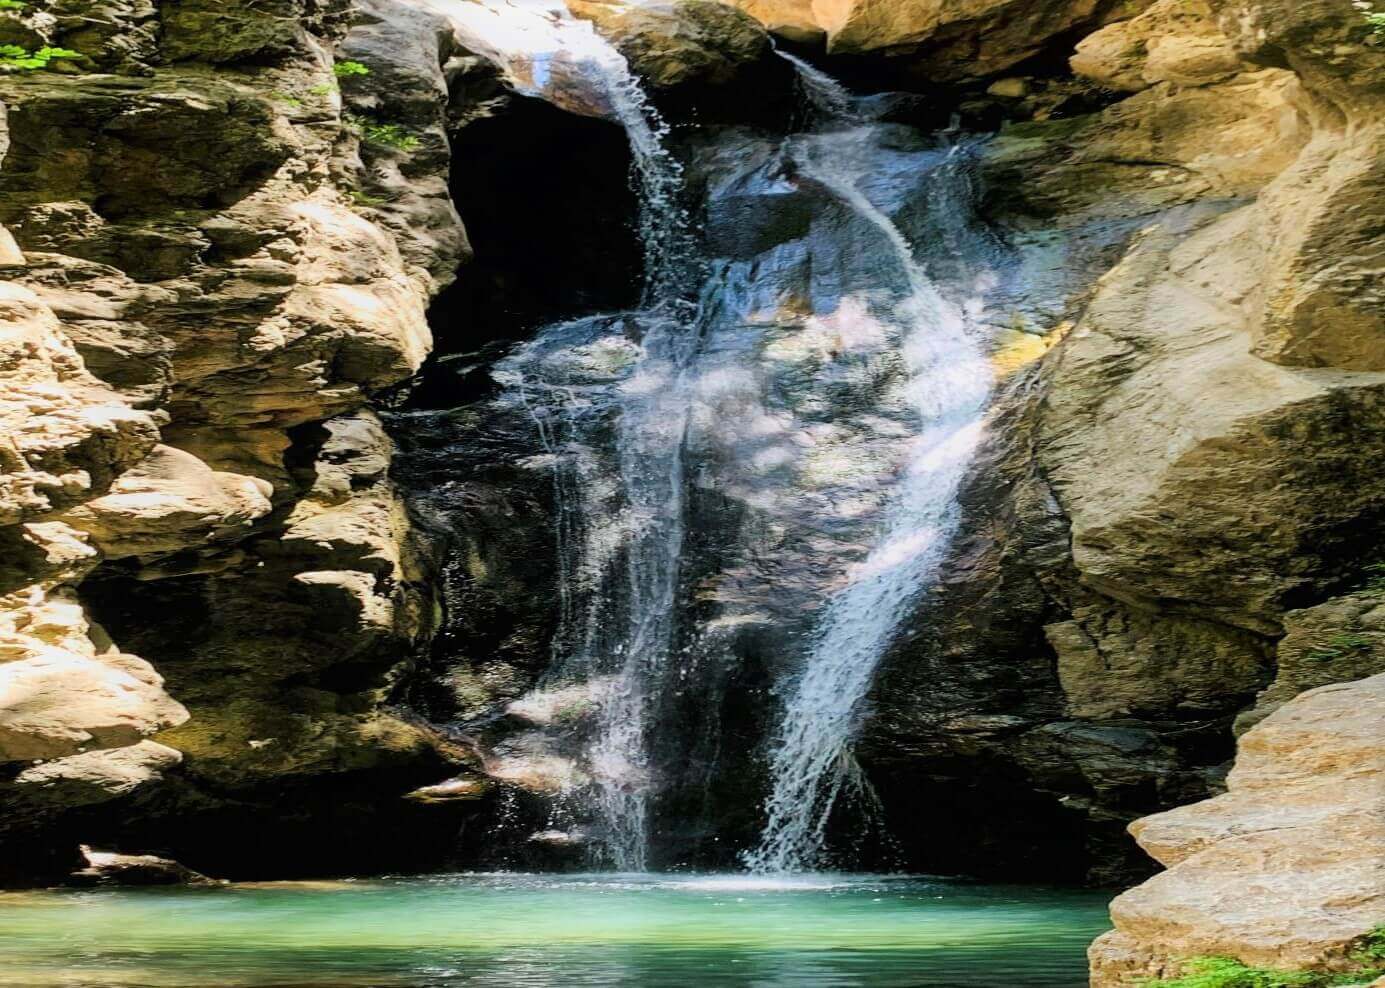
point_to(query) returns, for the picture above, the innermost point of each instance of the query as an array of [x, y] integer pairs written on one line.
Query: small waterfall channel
[[948, 382], [753, 473]]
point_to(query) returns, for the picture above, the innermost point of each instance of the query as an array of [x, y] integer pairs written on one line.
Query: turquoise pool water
[[555, 931]]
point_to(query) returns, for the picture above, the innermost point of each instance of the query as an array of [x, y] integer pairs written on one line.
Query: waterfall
[[826, 96], [949, 379], [621, 531], [754, 470]]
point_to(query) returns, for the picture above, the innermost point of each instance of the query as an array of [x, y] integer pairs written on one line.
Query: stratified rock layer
[[198, 306], [1286, 869]]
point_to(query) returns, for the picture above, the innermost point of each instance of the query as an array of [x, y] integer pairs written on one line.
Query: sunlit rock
[[1282, 871]]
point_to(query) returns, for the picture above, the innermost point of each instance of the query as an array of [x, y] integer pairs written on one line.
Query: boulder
[[111, 868], [54, 704], [1284, 870], [1174, 41], [940, 40], [678, 42]]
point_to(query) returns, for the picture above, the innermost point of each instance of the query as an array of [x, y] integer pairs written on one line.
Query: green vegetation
[[573, 711], [1375, 580], [1339, 645], [390, 135], [343, 69], [364, 198], [1368, 954], [12, 4], [1376, 21], [17, 59], [286, 98]]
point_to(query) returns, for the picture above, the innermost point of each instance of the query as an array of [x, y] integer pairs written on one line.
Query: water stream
[[753, 473], [948, 383]]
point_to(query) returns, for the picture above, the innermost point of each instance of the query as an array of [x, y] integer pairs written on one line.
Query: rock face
[[945, 40], [217, 254], [1285, 869], [197, 305], [1143, 528]]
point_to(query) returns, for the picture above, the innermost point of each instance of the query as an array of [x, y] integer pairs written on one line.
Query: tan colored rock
[[64, 436], [1337, 641], [56, 704], [463, 789], [1286, 869], [97, 776], [1323, 302], [675, 42], [170, 501], [1122, 662], [1174, 41], [793, 19], [111, 868], [1171, 448], [953, 39]]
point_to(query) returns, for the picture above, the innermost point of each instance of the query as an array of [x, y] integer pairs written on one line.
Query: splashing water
[[811, 761], [827, 97], [618, 622]]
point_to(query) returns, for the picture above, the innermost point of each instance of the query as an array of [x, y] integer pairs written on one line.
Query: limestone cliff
[[211, 265]]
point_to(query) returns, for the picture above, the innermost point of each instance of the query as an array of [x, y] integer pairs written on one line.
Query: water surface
[[551, 931]]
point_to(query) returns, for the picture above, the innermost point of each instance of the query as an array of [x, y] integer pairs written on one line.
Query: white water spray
[[618, 624], [948, 384]]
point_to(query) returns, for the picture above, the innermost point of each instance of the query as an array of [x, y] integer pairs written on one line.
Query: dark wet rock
[[111, 868]]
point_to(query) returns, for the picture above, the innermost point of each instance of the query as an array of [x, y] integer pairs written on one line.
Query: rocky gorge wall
[[220, 253]]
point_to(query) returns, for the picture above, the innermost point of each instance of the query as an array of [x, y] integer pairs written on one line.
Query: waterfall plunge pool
[[555, 930]]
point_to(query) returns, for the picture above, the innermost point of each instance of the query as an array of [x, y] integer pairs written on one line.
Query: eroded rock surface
[[200, 298], [1285, 869], [1144, 527]]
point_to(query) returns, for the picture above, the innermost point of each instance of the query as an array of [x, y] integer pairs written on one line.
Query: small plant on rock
[[390, 135], [1374, 19], [343, 69], [13, 58], [1339, 645]]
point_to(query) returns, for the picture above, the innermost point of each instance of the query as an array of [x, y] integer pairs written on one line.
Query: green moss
[[1367, 953], [1337, 646], [16, 59], [364, 199], [1375, 580], [12, 5]]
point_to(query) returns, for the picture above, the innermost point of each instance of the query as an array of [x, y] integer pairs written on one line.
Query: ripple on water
[[546, 931]]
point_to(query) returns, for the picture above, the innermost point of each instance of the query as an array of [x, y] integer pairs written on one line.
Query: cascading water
[[618, 621], [752, 473], [948, 383]]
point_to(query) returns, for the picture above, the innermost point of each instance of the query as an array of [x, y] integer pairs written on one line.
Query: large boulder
[[941, 40], [675, 42], [1284, 870]]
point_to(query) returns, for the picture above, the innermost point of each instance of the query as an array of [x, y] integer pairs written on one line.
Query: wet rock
[[460, 789], [110, 868]]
